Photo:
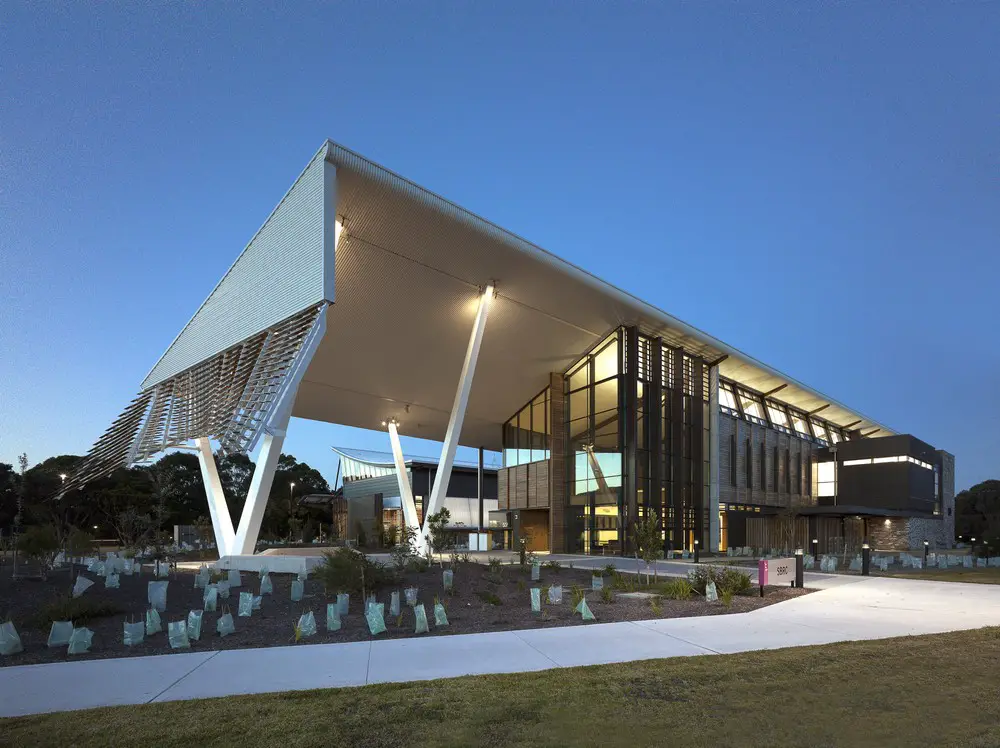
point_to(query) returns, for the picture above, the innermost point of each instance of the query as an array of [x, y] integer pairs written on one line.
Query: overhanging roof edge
[[145, 384], [341, 156]]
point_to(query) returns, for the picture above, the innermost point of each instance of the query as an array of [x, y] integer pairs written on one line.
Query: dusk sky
[[815, 184]]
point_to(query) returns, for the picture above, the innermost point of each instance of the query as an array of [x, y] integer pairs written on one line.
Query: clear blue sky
[[816, 186]]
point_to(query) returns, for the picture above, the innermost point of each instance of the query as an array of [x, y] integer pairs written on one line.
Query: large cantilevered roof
[[409, 268], [395, 272]]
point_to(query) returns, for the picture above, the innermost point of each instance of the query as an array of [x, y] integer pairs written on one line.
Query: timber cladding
[[524, 486]]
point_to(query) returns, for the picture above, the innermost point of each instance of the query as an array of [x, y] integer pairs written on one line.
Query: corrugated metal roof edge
[[320, 153], [342, 156], [407, 459]]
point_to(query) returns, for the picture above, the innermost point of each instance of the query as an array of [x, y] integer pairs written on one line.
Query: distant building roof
[[367, 463]]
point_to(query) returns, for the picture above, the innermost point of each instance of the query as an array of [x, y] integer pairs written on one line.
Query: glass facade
[[634, 414], [595, 468], [527, 435], [637, 422]]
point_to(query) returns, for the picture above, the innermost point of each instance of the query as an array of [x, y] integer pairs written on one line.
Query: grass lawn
[[931, 690], [977, 576]]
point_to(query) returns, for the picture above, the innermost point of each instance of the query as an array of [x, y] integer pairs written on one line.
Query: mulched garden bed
[[468, 608]]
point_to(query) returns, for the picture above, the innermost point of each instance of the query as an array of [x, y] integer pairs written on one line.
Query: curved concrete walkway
[[846, 608]]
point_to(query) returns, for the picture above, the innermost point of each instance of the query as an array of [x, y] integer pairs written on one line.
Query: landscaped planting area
[[481, 598]]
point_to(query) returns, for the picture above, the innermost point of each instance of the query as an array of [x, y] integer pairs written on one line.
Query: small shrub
[[576, 595], [40, 543], [418, 564], [350, 571], [406, 550], [607, 595], [623, 582], [726, 598], [725, 578], [80, 543], [678, 589], [552, 565], [489, 597], [656, 607], [520, 585], [609, 570], [496, 565], [76, 609]]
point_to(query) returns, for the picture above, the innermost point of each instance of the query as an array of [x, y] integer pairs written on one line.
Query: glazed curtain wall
[[637, 424]]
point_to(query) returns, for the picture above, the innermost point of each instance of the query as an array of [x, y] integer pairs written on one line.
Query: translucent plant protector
[[376, 619], [153, 624], [584, 610], [156, 594], [79, 641], [421, 616], [81, 585], [10, 641], [177, 633], [225, 625], [194, 625], [440, 616], [60, 633], [306, 625], [134, 633], [245, 609], [210, 600], [332, 617]]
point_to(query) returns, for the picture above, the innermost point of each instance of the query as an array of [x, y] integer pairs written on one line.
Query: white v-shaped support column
[[222, 521], [443, 475], [405, 487], [243, 541], [260, 489]]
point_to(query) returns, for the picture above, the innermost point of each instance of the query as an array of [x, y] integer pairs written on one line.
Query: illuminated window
[[826, 479], [752, 407], [820, 430], [727, 399], [835, 436], [778, 415], [867, 461], [799, 424]]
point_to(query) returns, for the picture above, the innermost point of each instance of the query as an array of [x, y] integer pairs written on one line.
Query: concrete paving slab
[[604, 643], [395, 660], [63, 686], [293, 668]]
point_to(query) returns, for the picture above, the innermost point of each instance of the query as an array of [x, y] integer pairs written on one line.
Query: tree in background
[[10, 484], [140, 504], [285, 516], [235, 473], [977, 513]]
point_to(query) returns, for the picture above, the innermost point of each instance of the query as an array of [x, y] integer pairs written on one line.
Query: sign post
[[775, 571]]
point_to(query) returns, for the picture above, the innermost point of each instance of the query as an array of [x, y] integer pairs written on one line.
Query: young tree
[[648, 542], [440, 539]]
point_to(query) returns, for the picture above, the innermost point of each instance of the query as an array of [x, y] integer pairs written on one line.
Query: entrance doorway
[[535, 529]]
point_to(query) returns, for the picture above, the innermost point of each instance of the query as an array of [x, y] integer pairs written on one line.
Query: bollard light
[[696, 547]]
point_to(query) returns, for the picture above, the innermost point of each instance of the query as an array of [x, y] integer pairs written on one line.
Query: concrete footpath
[[846, 608]]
